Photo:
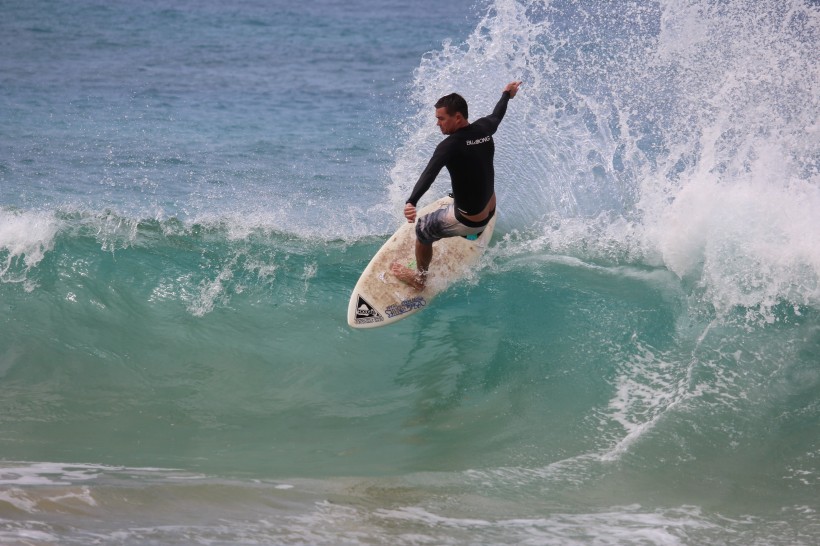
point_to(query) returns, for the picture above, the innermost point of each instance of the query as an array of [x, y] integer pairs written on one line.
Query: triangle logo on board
[[365, 313]]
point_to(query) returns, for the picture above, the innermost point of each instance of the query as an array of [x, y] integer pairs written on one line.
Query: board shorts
[[441, 224]]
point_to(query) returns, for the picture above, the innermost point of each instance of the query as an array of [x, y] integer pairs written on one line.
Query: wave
[[727, 256], [661, 230], [164, 307], [199, 264]]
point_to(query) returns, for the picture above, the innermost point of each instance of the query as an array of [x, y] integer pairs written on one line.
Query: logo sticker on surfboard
[[411, 304], [366, 314]]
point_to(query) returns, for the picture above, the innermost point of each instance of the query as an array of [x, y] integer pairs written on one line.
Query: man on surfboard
[[467, 152]]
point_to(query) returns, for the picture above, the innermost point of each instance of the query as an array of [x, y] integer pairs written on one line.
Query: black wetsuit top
[[468, 156]]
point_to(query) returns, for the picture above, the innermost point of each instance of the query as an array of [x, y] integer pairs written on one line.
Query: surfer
[[467, 152]]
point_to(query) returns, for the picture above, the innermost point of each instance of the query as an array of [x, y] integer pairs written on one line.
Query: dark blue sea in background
[[190, 189]]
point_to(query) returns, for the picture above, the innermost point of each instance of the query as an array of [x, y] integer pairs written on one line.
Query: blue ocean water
[[189, 191]]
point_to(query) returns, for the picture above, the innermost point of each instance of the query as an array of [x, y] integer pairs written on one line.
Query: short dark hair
[[453, 103]]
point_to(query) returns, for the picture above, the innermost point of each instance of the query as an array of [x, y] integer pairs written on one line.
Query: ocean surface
[[190, 189]]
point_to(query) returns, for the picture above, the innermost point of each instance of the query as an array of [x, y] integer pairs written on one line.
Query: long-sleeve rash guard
[[468, 155]]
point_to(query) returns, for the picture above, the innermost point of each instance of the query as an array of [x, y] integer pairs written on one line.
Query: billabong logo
[[366, 314], [479, 141]]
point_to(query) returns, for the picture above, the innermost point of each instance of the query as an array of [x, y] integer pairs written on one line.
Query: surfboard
[[379, 298]]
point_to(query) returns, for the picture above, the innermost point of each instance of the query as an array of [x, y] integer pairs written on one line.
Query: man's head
[[451, 113]]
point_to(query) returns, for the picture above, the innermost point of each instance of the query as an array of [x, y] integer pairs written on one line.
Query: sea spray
[[25, 238], [674, 134]]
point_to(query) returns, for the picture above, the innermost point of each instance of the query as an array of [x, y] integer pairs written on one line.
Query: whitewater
[[190, 190]]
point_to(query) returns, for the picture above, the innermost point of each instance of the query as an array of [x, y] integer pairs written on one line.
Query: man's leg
[[417, 278], [424, 255]]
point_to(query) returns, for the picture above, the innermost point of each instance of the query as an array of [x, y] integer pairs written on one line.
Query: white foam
[[18, 499], [751, 244], [25, 474], [620, 525], [25, 238], [211, 291], [21, 474]]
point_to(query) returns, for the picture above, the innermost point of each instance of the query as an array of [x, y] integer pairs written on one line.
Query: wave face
[[635, 361]]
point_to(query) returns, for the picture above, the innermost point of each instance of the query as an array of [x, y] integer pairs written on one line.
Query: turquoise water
[[188, 193]]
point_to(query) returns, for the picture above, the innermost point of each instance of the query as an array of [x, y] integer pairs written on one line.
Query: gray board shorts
[[441, 224]]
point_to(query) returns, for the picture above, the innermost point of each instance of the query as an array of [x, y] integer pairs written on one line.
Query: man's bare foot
[[408, 276]]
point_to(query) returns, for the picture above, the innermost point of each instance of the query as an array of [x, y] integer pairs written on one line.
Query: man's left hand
[[512, 87]]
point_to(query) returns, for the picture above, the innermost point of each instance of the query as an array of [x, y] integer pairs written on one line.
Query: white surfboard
[[379, 298]]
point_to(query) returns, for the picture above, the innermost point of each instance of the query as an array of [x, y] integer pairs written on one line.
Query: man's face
[[447, 123]]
